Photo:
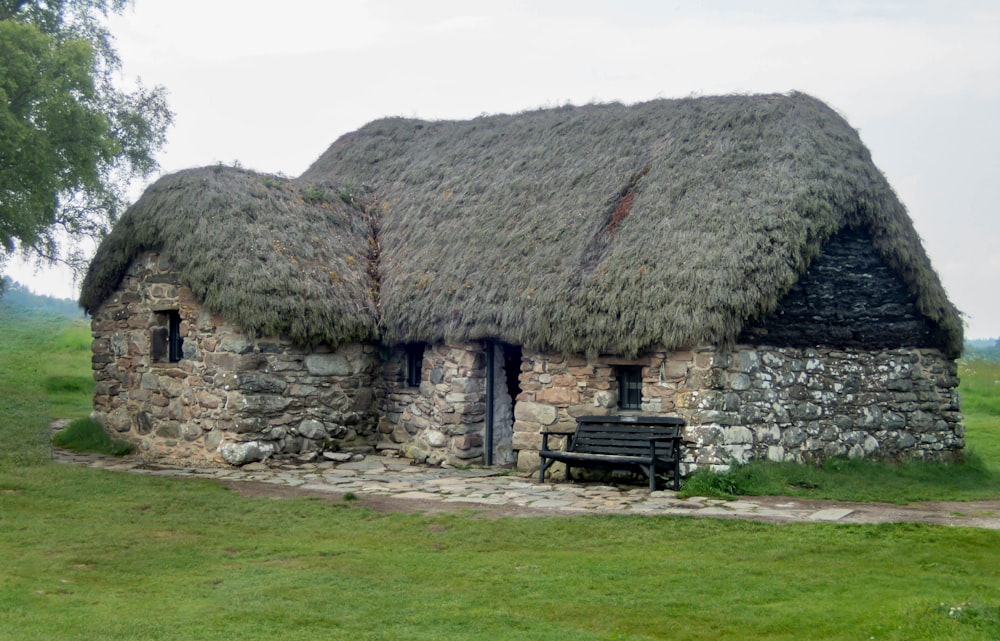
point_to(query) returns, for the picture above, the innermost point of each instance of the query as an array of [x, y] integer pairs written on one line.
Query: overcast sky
[[271, 84]]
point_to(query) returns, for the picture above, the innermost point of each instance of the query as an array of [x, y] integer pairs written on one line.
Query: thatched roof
[[612, 228], [616, 228], [273, 256]]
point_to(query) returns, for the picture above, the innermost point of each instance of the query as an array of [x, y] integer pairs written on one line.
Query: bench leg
[[544, 465]]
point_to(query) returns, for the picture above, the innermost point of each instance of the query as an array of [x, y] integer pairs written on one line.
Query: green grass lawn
[[44, 375], [95, 555], [99, 555]]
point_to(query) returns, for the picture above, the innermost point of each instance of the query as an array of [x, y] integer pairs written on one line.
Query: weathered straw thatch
[[272, 256], [616, 229], [597, 229]]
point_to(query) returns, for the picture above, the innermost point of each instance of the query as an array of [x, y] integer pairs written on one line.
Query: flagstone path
[[395, 484]]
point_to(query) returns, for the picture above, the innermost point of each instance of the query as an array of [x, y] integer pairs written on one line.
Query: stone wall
[[443, 421], [784, 404], [230, 397], [848, 298], [793, 404], [840, 385], [556, 389], [237, 398]]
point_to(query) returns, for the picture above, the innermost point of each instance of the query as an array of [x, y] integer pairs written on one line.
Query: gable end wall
[[230, 397], [848, 298]]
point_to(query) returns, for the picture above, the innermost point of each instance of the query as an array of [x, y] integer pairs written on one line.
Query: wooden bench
[[647, 444]]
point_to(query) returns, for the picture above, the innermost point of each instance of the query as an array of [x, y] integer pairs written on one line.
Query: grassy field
[[44, 374], [95, 555], [981, 404]]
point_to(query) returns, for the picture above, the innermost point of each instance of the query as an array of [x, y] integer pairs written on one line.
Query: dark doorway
[[504, 368]]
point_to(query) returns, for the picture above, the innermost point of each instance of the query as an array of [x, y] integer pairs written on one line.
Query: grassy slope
[[44, 374], [96, 555]]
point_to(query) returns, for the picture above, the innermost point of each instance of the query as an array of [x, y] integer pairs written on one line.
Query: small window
[[414, 364], [174, 336], [166, 341], [629, 387]]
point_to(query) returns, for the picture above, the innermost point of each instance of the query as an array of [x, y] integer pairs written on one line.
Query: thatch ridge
[[274, 256], [498, 227]]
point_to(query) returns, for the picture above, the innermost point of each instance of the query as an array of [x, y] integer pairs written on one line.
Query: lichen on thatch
[[512, 227], [274, 256], [596, 229]]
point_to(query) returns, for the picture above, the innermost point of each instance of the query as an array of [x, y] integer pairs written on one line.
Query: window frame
[[629, 379], [166, 342]]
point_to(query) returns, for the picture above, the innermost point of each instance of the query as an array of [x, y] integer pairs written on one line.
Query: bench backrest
[[626, 435]]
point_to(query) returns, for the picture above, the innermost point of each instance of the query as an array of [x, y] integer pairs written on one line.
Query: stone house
[[451, 289]]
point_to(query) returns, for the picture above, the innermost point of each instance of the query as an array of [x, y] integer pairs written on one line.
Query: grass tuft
[[87, 435], [984, 618], [68, 384]]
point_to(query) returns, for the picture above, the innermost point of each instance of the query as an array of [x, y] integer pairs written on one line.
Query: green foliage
[[346, 193], [982, 350], [59, 384], [981, 617], [14, 295], [70, 140], [87, 435]]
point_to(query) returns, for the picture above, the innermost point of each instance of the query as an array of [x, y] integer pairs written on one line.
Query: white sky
[[272, 84]]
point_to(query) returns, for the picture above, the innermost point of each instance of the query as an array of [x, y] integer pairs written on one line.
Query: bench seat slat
[[597, 437], [626, 436], [632, 420], [617, 451], [597, 440], [606, 458]]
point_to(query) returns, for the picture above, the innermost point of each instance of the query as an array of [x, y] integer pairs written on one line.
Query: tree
[[70, 140]]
